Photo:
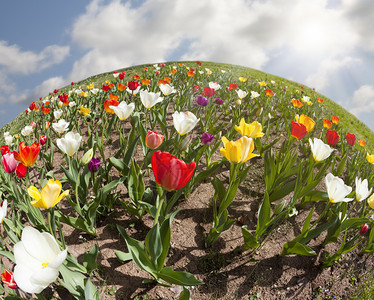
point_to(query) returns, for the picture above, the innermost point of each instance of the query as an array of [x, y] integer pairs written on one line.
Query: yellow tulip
[[306, 121], [238, 151], [370, 158], [262, 83], [242, 79], [371, 201], [253, 130], [49, 195], [84, 111]]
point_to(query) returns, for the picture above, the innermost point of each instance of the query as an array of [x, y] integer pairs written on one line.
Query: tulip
[[84, 111], [305, 120], [269, 93], [336, 189], [361, 142], [42, 140], [123, 110], [232, 86], [202, 101], [241, 94], [238, 151], [253, 130], [109, 104], [133, 85], [351, 139], [8, 140], [242, 79], [254, 95], [208, 92], [167, 89], [362, 190], [8, 278], [320, 150], [38, 258], [207, 138], [320, 100], [46, 125], [327, 123], [298, 130], [296, 103], [5, 149], [70, 143], [33, 125], [184, 122], [364, 229], [332, 137], [218, 101], [170, 172], [49, 195], [371, 201], [9, 162], [94, 164], [214, 85], [26, 131], [27, 155], [146, 81], [153, 139], [3, 210], [335, 120], [21, 170], [149, 99], [61, 126]]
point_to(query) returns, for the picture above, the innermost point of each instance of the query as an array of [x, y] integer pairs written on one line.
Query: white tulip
[[184, 122], [58, 113], [123, 111], [320, 150], [72, 103], [38, 258], [336, 189], [254, 94], [70, 143], [8, 140], [362, 190], [150, 99], [214, 85], [3, 210], [167, 89], [134, 92], [61, 126], [26, 131], [241, 93]]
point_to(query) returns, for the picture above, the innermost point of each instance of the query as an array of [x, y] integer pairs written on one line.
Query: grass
[[347, 121]]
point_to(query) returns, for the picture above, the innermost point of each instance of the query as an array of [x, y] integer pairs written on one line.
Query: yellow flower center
[[45, 264]]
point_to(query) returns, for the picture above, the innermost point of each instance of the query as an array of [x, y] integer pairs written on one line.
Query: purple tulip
[[94, 164], [218, 101], [202, 101], [207, 138]]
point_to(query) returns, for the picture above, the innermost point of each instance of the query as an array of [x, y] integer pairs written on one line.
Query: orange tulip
[[108, 103], [172, 72], [146, 81], [269, 93], [335, 120], [320, 100], [45, 110], [306, 121], [327, 123], [297, 103], [113, 97], [136, 77], [191, 74], [121, 87], [361, 142], [27, 155]]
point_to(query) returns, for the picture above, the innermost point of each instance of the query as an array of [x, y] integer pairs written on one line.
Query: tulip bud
[[94, 164], [42, 140], [364, 229], [60, 104], [46, 125], [238, 102], [153, 139], [21, 170], [87, 157], [259, 111], [33, 124], [185, 142]]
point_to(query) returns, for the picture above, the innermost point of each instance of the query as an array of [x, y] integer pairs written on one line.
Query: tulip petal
[[22, 276]]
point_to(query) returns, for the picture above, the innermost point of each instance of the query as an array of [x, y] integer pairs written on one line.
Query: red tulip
[[364, 229], [153, 139], [208, 92], [335, 120], [199, 63], [298, 130], [27, 155], [8, 278], [21, 170], [9, 162], [133, 85], [269, 93], [170, 172], [332, 137], [42, 140], [4, 149], [351, 139]]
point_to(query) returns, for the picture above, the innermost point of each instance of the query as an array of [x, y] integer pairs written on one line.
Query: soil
[[227, 272]]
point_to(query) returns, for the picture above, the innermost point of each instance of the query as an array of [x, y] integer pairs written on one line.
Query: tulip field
[[186, 180]]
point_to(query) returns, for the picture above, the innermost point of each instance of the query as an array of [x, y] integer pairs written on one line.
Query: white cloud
[[328, 68], [14, 60], [363, 100]]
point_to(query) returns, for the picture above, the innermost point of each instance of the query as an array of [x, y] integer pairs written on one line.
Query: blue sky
[[324, 44]]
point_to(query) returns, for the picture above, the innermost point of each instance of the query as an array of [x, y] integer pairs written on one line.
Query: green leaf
[[8, 254], [130, 151], [77, 223], [316, 195], [178, 278], [297, 248], [185, 294], [119, 165], [250, 241], [122, 256], [90, 291], [154, 245], [353, 223], [90, 259], [263, 215]]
